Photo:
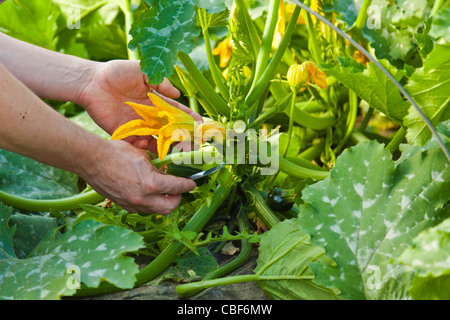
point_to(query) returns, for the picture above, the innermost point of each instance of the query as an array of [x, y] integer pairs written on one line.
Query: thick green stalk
[[193, 104], [202, 285], [186, 289], [291, 123], [64, 204], [211, 96], [266, 46], [360, 21], [436, 7], [316, 122], [312, 152], [300, 172], [260, 206], [216, 75], [278, 107], [351, 119], [365, 122], [262, 82], [396, 140], [129, 20]]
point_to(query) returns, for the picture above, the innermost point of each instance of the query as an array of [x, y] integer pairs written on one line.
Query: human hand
[[118, 81], [125, 175]]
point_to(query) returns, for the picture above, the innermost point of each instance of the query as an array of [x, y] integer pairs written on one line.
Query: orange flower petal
[[148, 113], [166, 137], [133, 128], [320, 79], [161, 105]]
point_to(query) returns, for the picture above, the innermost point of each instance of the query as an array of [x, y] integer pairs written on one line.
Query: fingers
[[166, 88], [167, 184], [165, 204], [167, 195]]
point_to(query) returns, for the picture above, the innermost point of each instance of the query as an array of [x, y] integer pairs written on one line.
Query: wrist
[[88, 72]]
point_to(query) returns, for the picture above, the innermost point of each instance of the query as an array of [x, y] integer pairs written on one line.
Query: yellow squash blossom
[[161, 120], [223, 50], [304, 73], [297, 75]]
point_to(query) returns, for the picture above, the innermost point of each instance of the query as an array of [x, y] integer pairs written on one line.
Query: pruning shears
[[205, 173]]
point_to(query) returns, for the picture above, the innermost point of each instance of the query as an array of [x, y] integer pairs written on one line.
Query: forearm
[[48, 74], [31, 128]]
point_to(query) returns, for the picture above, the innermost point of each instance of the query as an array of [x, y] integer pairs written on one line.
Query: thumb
[[168, 184]]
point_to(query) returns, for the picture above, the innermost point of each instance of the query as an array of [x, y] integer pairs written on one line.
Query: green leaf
[[371, 85], [367, 212], [441, 25], [160, 33], [211, 6], [389, 27], [282, 267], [31, 21], [30, 230], [430, 257], [22, 176], [6, 233], [90, 252], [429, 86], [189, 267]]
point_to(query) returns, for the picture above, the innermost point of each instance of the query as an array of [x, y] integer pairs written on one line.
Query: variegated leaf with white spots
[[90, 253], [367, 213], [167, 28]]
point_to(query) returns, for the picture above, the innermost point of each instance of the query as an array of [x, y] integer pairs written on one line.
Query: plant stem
[[396, 140], [291, 123], [316, 122], [212, 98], [351, 119], [64, 204], [202, 285], [365, 122], [260, 206], [360, 21], [266, 46], [193, 104], [436, 7], [186, 289], [261, 83], [129, 20], [300, 172], [216, 75]]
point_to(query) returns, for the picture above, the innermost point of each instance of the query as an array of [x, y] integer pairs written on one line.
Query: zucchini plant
[[335, 138]]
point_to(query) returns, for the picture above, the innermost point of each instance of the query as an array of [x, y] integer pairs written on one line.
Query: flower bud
[[187, 81], [297, 74]]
